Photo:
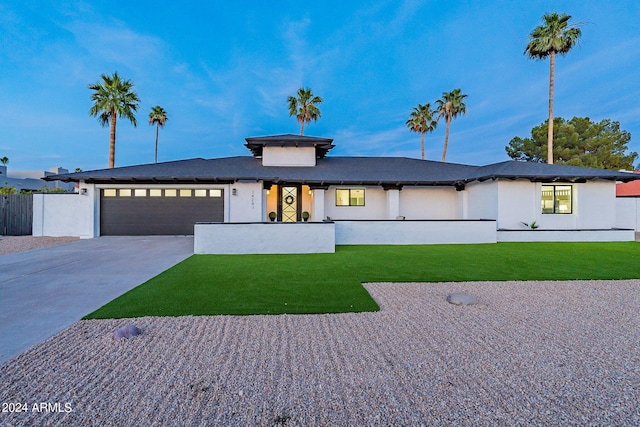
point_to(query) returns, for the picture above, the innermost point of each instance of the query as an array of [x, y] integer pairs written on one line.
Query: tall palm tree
[[422, 119], [554, 36], [157, 117], [450, 106], [113, 98], [304, 107], [4, 160]]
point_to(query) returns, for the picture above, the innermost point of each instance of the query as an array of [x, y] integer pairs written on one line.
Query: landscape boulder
[[461, 298], [126, 332]]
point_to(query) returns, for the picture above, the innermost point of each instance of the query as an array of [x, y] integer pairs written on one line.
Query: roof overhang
[[257, 144]]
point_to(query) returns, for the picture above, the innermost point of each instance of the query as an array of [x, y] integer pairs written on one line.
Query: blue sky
[[223, 71]]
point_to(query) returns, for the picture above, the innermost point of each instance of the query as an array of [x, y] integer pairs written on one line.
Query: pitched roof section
[[384, 171], [257, 143], [544, 172]]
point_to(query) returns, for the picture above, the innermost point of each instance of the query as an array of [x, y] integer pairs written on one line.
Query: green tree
[[4, 160], [113, 97], [450, 106], [157, 117], [555, 36], [422, 119], [577, 142], [4, 190], [304, 107]]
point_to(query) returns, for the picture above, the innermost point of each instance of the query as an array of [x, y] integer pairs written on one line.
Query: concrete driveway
[[46, 290]]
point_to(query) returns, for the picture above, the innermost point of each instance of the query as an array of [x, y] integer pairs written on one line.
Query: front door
[[289, 203]]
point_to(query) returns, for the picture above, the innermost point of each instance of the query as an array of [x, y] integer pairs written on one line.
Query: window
[[200, 193], [155, 192], [215, 193], [140, 192], [125, 192], [109, 192], [556, 199], [170, 192], [350, 197], [185, 192]]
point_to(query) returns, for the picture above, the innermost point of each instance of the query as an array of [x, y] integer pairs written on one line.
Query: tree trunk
[[446, 139], [155, 159], [301, 127], [112, 140], [552, 61], [422, 144]]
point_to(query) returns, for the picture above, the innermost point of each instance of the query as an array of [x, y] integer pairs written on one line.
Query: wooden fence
[[16, 214]]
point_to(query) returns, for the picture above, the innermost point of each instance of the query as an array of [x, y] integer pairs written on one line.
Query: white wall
[[264, 238], [515, 202], [288, 156], [596, 205], [518, 202], [566, 236], [414, 232], [482, 200], [375, 205], [627, 212], [429, 203], [64, 214], [246, 205]]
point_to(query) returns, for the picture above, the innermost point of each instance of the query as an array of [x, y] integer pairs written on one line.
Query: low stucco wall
[[264, 238], [415, 232], [566, 235], [63, 214]]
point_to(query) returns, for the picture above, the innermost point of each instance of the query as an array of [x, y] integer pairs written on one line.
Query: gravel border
[[13, 244], [529, 353]]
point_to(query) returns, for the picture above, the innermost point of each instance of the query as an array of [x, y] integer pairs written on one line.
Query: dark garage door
[[144, 211]]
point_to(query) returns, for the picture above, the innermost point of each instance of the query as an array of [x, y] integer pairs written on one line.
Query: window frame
[[351, 198], [556, 200]]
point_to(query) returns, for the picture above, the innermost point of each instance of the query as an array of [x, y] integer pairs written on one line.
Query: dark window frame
[[556, 200], [350, 198]]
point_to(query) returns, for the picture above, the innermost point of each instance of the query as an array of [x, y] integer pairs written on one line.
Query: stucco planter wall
[[264, 238]]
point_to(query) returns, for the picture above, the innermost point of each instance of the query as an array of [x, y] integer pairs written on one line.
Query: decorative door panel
[[289, 204]]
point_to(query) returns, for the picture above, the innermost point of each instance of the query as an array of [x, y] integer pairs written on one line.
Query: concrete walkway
[[46, 290]]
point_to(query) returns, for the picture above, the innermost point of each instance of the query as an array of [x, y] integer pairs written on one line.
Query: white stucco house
[[226, 203]]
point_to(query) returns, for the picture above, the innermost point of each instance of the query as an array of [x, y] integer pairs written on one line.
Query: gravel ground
[[530, 353], [12, 244]]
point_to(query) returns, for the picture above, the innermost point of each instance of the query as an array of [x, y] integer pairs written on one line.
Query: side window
[[350, 197], [557, 199]]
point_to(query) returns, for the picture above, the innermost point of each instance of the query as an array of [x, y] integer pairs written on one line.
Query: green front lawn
[[331, 283]]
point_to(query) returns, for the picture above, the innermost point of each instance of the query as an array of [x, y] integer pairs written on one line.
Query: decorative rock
[[461, 298], [126, 332]]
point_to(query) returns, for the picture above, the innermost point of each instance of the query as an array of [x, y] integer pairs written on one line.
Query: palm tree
[[304, 107], [4, 160], [157, 117], [113, 98], [422, 120], [450, 106], [554, 36]]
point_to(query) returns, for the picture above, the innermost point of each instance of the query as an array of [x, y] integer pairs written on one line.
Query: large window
[[350, 197], [556, 199]]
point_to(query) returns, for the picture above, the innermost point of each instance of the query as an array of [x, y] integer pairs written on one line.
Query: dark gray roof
[[385, 171], [546, 173]]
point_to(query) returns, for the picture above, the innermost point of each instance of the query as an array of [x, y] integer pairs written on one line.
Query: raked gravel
[[13, 244], [529, 353]]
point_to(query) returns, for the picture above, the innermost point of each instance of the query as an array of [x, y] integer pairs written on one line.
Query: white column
[[393, 203], [318, 204], [463, 204]]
